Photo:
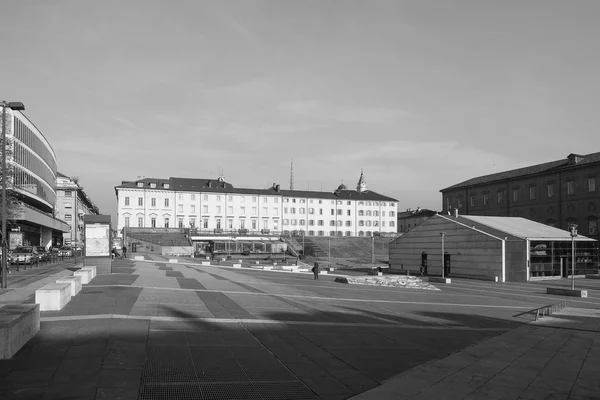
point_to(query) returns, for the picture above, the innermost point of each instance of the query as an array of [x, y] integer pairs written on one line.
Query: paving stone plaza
[[160, 330]]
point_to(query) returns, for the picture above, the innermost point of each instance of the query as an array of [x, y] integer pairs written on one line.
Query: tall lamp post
[[573, 235], [19, 107], [442, 234], [373, 250], [329, 249]]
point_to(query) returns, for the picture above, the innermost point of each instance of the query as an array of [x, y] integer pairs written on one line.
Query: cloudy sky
[[419, 94]]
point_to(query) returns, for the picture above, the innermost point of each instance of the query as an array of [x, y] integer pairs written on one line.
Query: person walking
[[124, 251], [315, 270]]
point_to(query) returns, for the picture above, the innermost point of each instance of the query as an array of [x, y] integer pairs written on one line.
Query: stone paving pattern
[[154, 330]]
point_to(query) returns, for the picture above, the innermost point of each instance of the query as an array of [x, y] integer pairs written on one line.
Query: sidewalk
[[19, 294], [557, 357]]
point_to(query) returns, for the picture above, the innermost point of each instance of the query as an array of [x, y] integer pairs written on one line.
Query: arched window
[[361, 233]]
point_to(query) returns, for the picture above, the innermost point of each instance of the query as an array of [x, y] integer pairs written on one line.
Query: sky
[[420, 95]]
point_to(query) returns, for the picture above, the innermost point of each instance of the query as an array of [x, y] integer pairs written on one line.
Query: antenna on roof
[[292, 174]]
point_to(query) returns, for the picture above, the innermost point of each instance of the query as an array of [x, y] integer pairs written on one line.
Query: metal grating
[[237, 391], [168, 364], [185, 391], [294, 390]]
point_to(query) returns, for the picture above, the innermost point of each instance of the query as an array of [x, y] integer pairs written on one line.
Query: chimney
[[277, 188], [209, 184], [456, 213]]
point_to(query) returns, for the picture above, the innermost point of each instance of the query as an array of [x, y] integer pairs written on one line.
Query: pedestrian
[[124, 251], [315, 270]]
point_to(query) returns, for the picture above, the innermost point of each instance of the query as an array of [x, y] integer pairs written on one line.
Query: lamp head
[[16, 105]]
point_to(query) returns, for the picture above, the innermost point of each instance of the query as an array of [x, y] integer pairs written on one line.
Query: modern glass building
[[31, 166]]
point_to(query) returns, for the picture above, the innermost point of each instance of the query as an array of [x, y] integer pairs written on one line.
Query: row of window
[[25, 181], [24, 157], [253, 223], [320, 222], [265, 210], [242, 199], [30, 139], [516, 193]]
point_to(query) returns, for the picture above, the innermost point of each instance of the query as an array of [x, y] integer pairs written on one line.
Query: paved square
[[154, 330]]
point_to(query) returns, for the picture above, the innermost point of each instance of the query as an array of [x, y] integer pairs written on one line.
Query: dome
[[342, 187]]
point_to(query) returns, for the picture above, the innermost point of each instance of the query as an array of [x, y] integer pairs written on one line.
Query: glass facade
[[554, 258], [34, 162]]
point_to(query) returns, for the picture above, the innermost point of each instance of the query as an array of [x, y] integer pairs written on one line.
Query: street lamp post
[[19, 107], [442, 234], [373, 250], [329, 249], [573, 235]]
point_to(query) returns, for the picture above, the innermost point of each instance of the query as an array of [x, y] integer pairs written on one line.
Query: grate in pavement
[[168, 364], [236, 390], [187, 391], [284, 390]]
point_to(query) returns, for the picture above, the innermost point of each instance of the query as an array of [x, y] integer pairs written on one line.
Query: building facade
[[72, 204], [557, 193], [31, 163], [408, 219], [216, 206]]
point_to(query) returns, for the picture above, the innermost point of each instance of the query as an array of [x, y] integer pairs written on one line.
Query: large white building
[[216, 206]]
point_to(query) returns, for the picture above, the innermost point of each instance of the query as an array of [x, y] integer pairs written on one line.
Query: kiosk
[[98, 241]]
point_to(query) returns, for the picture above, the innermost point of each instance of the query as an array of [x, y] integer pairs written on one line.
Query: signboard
[[15, 240], [97, 240]]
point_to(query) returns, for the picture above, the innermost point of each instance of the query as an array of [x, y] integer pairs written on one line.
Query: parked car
[[65, 251], [43, 253], [24, 255]]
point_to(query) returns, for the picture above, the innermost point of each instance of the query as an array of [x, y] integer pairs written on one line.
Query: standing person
[[124, 251], [315, 270]]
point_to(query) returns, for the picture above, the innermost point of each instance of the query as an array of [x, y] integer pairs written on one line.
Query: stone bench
[[439, 279], [236, 265], [173, 260], [567, 292], [205, 263], [18, 324], [53, 296], [73, 281], [289, 267], [85, 274], [138, 258]]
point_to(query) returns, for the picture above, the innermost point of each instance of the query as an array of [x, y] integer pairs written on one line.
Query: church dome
[[342, 187]]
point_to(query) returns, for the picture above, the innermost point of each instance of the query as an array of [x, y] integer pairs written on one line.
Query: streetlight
[[442, 234], [329, 248], [573, 234], [19, 107], [373, 250]]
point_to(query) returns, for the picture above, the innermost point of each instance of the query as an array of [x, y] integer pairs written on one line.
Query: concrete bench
[[73, 281], [18, 324], [289, 267], [92, 270], [138, 258], [173, 260], [85, 274], [236, 265], [567, 292], [268, 267], [205, 263], [439, 279], [53, 296]]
